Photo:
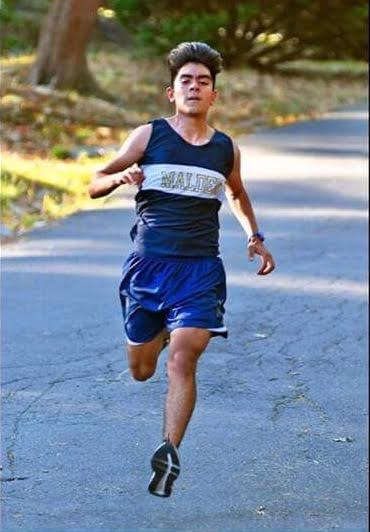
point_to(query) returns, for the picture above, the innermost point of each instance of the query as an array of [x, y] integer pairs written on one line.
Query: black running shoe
[[166, 468]]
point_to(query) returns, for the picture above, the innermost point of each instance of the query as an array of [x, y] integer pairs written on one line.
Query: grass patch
[[40, 190], [326, 69]]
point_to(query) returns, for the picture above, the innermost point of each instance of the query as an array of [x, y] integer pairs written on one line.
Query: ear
[[170, 94], [215, 96]]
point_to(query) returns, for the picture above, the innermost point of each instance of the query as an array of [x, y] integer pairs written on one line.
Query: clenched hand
[[132, 175]]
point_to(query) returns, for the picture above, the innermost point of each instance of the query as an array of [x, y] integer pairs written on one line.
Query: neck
[[192, 128]]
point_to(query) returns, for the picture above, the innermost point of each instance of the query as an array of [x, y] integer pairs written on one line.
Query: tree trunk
[[61, 56]]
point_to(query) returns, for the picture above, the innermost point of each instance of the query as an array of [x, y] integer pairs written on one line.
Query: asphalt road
[[279, 437]]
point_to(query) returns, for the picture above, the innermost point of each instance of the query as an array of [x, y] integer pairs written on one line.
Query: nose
[[194, 85]]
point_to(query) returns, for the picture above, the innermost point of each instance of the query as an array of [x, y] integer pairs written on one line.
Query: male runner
[[173, 285]]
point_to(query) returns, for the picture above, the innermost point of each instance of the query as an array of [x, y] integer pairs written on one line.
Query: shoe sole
[[165, 472]]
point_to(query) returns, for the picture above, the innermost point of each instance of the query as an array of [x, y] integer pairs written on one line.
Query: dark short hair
[[194, 52]]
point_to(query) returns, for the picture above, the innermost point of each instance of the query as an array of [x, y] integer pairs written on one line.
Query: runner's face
[[193, 91]]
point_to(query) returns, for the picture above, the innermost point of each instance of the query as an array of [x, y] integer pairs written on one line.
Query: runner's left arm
[[241, 207]]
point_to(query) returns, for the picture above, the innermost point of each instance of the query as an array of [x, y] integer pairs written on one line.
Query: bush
[[60, 152], [261, 34], [20, 24]]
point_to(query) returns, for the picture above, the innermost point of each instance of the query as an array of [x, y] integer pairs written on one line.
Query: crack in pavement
[[56, 381], [15, 380], [299, 393], [100, 352], [11, 479], [14, 392], [10, 452]]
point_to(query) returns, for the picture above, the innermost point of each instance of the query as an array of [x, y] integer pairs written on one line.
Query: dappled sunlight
[[264, 163], [297, 284], [123, 198], [61, 247], [300, 284], [306, 212], [65, 269], [14, 60], [312, 212], [114, 202], [321, 155], [69, 176], [348, 115]]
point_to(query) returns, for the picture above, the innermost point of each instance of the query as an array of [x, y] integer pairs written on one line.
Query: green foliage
[[262, 34], [60, 152], [9, 190], [20, 24], [196, 26], [6, 11]]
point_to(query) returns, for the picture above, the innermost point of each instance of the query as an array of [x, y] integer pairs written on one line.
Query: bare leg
[[187, 344], [142, 359]]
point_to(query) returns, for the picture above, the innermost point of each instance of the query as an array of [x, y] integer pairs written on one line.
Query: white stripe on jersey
[[185, 180]]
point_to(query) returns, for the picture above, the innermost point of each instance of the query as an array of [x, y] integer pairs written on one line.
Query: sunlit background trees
[[259, 33]]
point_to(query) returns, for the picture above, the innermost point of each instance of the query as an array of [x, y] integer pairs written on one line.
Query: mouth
[[193, 99]]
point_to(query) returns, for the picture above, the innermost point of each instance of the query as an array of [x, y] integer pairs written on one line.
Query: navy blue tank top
[[178, 202]]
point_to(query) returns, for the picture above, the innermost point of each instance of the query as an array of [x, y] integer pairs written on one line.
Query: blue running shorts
[[158, 293]]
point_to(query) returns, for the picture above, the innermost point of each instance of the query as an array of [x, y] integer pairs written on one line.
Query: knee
[[142, 373], [181, 364]]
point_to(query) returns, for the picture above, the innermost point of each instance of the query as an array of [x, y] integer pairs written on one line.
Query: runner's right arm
[[123, 168]]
